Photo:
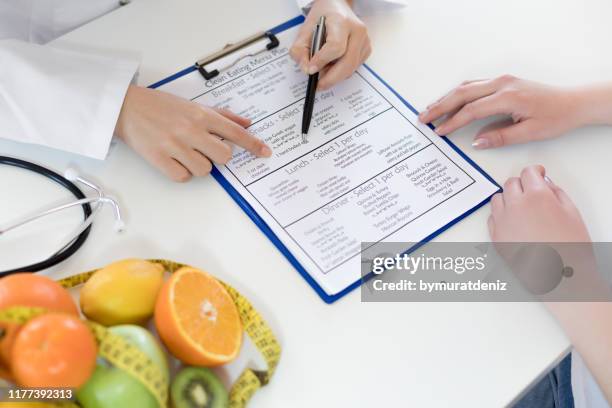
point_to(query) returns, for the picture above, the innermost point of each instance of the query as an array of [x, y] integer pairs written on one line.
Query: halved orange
[[197, 319]]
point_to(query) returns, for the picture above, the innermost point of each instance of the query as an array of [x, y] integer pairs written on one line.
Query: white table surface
[[351, 354]]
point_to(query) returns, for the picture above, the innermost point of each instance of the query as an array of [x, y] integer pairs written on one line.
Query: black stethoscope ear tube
[[69, 250]]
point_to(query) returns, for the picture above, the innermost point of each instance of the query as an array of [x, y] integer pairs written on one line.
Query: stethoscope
[[79, 236]]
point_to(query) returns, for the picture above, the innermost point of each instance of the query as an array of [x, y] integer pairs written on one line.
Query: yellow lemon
[[124, 292]]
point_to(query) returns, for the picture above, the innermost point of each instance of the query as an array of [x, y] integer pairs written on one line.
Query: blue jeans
[[553, 391]]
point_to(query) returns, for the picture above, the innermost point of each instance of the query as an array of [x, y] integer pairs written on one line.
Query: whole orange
[[197, 319], [53, 350], [27, 289]]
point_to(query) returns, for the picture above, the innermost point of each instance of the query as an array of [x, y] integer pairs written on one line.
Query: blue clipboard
[[265, 228]]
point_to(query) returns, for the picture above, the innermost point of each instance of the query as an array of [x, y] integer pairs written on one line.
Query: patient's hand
[[538, 111], [181, 138], [537, 230], [534, 209], [347, 45]]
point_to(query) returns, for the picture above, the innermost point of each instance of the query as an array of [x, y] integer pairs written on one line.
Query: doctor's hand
[[181, 138], [346, 47], [537, 111]]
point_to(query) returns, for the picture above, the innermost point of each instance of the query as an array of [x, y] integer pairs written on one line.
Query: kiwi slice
[[198, 387]]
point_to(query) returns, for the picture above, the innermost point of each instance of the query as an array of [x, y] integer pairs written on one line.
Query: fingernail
[[422, 116], [548, 180], [312, 69], [265, 151], [441, 130], [480, 144]]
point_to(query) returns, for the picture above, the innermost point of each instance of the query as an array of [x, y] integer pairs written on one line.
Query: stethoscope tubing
[[69, 250]]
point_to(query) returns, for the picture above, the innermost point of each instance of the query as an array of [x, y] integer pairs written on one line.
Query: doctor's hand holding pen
[[347, 44]]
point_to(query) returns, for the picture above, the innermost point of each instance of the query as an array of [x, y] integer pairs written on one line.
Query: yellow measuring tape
[[128, 358]]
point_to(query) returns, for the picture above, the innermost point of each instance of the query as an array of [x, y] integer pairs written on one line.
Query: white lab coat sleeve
[[363, 7], [59, 98]]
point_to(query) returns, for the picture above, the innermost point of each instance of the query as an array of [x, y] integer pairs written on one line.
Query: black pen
[[318, 38]]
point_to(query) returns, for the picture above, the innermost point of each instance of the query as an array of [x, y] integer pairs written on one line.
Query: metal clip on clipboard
[[247, 45]]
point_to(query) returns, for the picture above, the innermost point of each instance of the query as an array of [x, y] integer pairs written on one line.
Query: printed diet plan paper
[[369, 172]]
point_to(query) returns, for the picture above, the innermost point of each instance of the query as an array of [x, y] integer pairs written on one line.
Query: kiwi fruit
[[198, 387]]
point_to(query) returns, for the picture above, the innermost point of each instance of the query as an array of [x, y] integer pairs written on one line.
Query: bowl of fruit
[[136, 333]]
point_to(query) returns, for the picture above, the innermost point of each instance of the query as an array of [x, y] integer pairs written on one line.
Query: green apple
[[143, 340], [111, 387]]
